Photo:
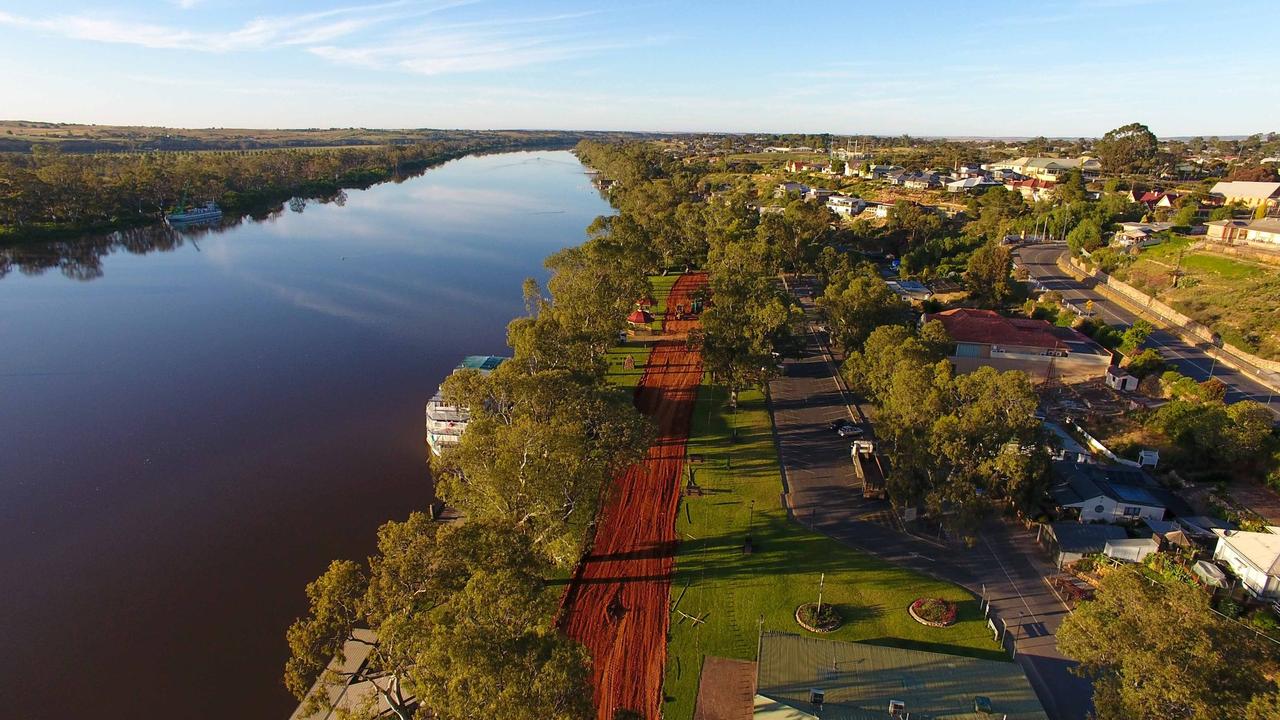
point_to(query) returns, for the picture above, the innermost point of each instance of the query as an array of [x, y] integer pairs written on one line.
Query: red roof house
[[985, 337]]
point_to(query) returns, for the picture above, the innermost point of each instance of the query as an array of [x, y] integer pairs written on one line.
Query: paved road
[[1193, 360], [1006, 563]]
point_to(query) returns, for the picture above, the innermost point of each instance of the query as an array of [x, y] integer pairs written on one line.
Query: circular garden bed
[[820, 622], [934, 612]]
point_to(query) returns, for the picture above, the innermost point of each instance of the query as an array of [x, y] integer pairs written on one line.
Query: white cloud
[[259, 33]]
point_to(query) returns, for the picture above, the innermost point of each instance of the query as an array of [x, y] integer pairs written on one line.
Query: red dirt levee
[[618, 602]]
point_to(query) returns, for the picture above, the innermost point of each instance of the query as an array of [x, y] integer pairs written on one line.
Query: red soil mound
[[618, 603]]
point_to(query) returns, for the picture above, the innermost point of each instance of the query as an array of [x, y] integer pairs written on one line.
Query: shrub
[[826, 619]]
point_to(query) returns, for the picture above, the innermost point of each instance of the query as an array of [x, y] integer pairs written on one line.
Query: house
[[445, 422], [921, 181], [1106, 493], [1254, 557], [878, 172], [880, 210], [1249, 194], [1153, 198], [1032, 189], [1068, 542], [897, 177], [845, 205], [1118, 379], [800, 676], [818, 194], [1204, 527], [1050, 169], [1263, 232], [1140, 234], [786, 188], [1038, 348], [970, 170], [910, 289], [971, 184]]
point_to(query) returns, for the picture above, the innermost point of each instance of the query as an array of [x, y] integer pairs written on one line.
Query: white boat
[[188, 216], [446, 422]]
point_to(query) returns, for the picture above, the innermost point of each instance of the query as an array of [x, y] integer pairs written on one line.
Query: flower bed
[[933, 612], [820, 622]]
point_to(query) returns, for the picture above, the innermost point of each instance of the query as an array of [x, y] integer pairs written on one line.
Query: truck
[[866, 465]]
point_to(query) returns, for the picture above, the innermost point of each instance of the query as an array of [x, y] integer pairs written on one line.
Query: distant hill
[[24, 135]]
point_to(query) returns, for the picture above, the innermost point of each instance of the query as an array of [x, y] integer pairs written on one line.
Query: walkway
[[618, 602]]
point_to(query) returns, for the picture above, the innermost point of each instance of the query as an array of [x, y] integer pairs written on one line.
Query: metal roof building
[[858, 681]]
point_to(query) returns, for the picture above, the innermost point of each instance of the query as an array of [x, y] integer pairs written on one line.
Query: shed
[[1118, 379], [1131, 549], [1071, 541]]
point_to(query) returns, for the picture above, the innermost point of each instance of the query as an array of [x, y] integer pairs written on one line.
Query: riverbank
[[261, 201]]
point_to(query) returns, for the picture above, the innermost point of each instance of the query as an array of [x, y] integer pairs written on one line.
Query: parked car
[[845, 428]]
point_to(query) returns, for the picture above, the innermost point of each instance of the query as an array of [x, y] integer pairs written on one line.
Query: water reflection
[[187, 442], [81, 258]]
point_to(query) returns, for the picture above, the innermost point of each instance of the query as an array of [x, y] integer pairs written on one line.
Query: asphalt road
[[1194, 360], [1006, 564]]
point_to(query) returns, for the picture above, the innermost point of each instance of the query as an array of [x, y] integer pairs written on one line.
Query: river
[[192, 427]]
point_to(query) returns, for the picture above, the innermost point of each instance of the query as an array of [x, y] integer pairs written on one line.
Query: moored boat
[[190, 216]]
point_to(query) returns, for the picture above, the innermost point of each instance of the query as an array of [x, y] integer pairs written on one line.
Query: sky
[[1066, 68]]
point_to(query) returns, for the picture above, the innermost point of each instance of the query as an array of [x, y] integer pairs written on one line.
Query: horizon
[[1069, 69]]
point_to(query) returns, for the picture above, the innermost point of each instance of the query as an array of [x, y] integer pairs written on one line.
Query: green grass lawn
[[662, 285], [738, 594], [617, 373], [1237, 298], [636, 349]]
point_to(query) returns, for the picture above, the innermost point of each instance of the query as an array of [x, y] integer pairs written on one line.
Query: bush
[[1264, 620], [826, 620], [1229, 607]]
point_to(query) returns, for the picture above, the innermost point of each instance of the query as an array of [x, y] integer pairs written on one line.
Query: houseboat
[[209, 213], [446, 422]]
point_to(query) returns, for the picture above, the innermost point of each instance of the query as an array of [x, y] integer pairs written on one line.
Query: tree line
[[464, 615], [48, 193]]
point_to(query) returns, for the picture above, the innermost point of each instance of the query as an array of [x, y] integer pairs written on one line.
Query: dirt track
[[618, 602]]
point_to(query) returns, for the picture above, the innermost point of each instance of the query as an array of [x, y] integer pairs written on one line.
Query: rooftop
[[988, 327], [483, 363], [1261, 549], [1085, 538], [1074, 483], [1243, 189], [858, 680]]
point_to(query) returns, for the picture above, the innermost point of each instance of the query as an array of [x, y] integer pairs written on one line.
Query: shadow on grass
[[940, 647]]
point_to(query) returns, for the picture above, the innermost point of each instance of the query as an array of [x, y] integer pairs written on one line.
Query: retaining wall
[[1191, 330]]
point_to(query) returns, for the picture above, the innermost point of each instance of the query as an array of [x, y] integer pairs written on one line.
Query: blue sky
[[1064, 67]]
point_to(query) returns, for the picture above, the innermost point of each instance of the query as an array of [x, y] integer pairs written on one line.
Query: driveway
[[1006, 566]]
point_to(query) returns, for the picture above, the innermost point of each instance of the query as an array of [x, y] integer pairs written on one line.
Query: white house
[[845, 205], [1253, 557], [971, 184], [1050, 169], [1105, 493]]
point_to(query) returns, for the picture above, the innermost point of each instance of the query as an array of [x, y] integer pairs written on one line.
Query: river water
[[191, 427]]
